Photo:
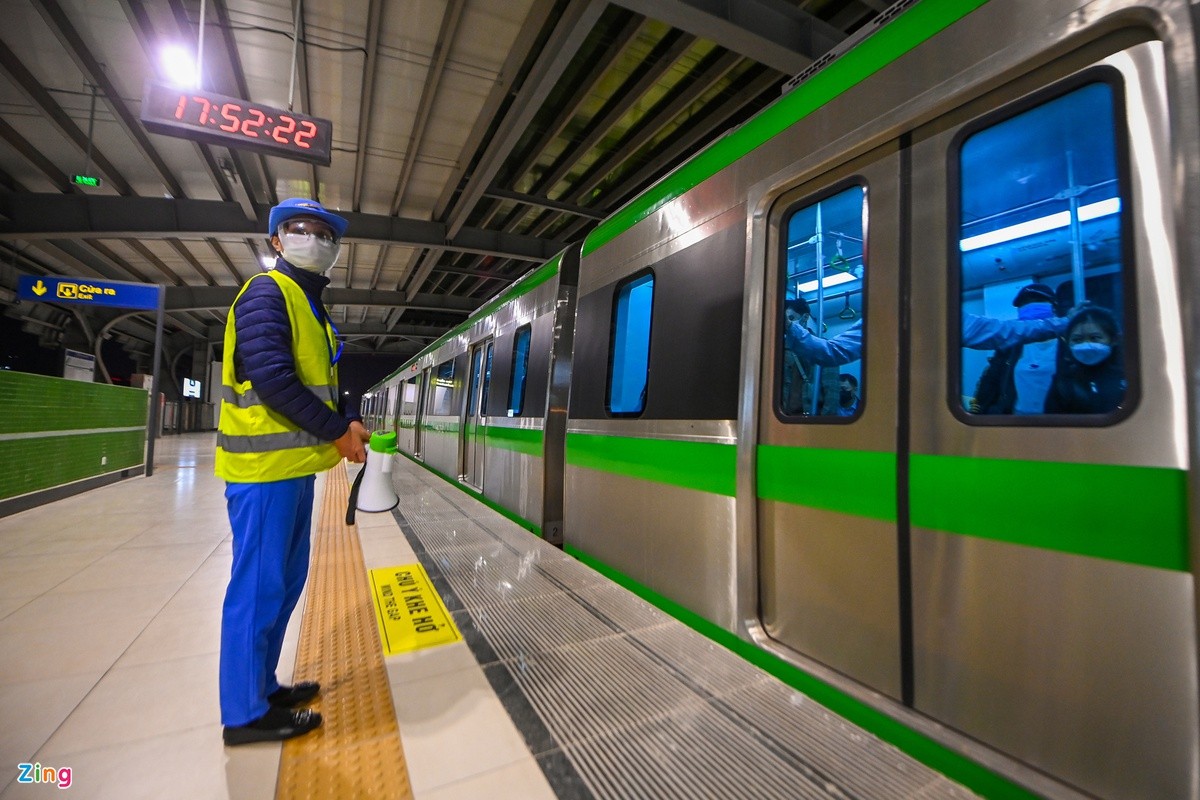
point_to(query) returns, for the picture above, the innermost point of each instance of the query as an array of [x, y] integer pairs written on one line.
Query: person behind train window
[[280, 425], [1017, 378], [1091, 376], [847, 404], [797, 374], [978, 333]]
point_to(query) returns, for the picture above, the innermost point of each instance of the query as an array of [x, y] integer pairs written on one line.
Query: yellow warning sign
[[410, 613]]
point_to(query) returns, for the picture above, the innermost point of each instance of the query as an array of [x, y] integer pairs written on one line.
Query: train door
[[475, 418], [827, 448], [1052, 601], [422, 406], [989, 523]]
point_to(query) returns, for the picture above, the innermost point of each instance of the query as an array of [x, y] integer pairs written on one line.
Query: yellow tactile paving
[[357, 752]]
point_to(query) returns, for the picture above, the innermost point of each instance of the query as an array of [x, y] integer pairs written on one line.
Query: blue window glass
[[520, 371], [823, 313], [1042, 259], [443, 390], [487, 381], [629, 359], [476, 362]]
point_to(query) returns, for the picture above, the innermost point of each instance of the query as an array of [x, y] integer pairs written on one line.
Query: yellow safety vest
[[256, 444]]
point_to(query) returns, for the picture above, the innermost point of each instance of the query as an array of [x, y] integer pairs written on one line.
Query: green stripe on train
[[1132, 514], [904, 33], [520, 440], [704, 466], [532, 527], [929, 752], [850, 481], [1135, 515]]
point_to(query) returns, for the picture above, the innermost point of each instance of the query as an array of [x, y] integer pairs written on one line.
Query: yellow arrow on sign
[[39, 288]]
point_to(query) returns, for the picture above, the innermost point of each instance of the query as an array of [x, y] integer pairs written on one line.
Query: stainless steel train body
[[1016, 590], [494, 443]]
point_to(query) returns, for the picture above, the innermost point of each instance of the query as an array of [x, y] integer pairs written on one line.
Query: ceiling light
[[832, 280], [1052, 222], [179, 66]]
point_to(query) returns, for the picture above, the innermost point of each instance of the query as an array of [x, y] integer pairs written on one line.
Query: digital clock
[[233, 122]]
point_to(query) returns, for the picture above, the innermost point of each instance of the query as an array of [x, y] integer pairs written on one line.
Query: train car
[[485, 405], [892, 390]]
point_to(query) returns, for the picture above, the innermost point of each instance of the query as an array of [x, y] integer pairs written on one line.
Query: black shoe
[[289, 696], [274, 726]]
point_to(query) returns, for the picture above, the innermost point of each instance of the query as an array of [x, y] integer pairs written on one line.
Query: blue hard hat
[[302, 207]]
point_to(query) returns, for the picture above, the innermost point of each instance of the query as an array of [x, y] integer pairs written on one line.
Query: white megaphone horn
[[372, 490]]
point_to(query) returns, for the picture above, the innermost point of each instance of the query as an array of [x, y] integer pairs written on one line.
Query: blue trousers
[[271, 524]]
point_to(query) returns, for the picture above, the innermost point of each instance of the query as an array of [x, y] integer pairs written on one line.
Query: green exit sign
[[85, 180]]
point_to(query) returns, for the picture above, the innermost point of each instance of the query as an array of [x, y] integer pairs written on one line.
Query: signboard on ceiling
[[117, 294]]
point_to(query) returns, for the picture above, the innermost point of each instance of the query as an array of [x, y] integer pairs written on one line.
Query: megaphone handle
[[387, 462], [353, 502]]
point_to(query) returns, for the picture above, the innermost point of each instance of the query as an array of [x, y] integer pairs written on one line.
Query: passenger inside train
[[1091, 378], [1017, 378], [1057, 222]]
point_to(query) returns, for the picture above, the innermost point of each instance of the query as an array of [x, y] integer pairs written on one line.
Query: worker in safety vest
[[280, 424]]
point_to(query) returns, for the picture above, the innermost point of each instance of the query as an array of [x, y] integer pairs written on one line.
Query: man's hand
[[350, 444]]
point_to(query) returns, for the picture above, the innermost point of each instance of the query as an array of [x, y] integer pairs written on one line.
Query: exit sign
[[85, 180]]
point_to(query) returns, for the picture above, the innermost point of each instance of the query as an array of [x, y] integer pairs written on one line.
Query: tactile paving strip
[[357, 751]]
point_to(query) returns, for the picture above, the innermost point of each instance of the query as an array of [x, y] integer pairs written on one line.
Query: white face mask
[[1090, 353], [309, 252]]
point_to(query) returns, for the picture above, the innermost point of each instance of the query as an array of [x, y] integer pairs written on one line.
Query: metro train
[[1008, 595]]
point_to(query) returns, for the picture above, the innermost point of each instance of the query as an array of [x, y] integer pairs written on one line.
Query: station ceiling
[[471, 140]]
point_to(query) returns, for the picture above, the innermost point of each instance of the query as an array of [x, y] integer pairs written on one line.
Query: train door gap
[[903, 417]]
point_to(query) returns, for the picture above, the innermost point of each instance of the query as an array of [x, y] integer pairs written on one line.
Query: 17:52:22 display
[[236, 123]]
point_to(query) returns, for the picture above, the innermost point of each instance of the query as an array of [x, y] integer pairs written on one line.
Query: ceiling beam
[[59, 23], [771, 32], [437, 67], [542, 202], [220, 298], [37, 94], [143, 29], [34, 156], [60, 216], [564, 43], [366, 103], [225, 25], [629, 93]]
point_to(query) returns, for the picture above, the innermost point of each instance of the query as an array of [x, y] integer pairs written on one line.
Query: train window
[[629, 348], [520, 371], [408, 405], [487, 381], [822, 313], [476, 364], [443, 390], [1042, 248]]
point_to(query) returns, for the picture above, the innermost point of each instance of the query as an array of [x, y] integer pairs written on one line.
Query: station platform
[[559, 684]]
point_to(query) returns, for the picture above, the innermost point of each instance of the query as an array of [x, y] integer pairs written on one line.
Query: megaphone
[[372, 491]]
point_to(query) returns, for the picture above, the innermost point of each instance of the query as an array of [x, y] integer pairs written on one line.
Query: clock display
[[233, 122]]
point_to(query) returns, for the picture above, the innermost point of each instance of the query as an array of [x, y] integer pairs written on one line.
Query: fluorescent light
[[832, 280], [1102, 209], [1052, 222]]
